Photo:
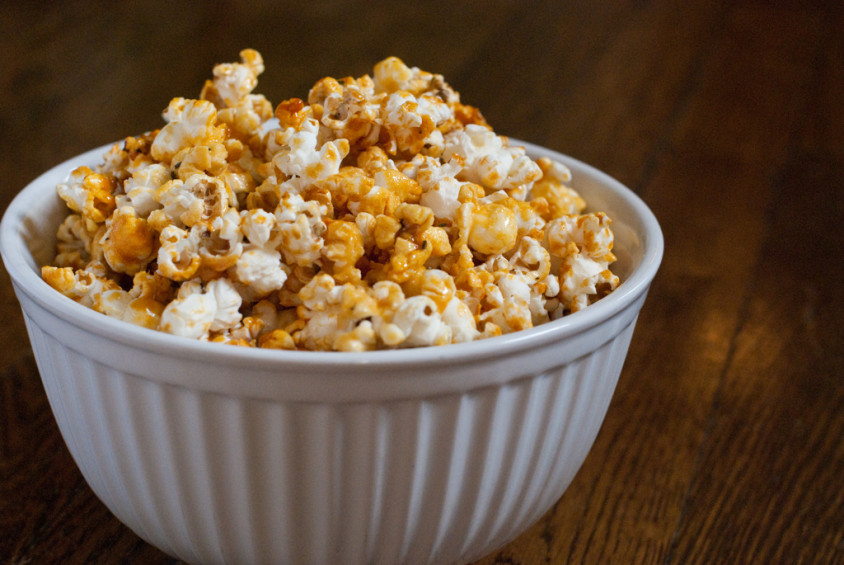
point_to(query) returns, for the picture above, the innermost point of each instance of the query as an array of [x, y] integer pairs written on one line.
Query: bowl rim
[[16, 257]]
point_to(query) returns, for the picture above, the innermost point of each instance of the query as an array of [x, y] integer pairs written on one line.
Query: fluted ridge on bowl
[[154, 454]]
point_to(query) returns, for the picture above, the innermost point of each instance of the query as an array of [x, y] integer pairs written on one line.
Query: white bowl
[[221, 454]]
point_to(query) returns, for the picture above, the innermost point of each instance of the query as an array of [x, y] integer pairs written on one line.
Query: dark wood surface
[[725, 439]]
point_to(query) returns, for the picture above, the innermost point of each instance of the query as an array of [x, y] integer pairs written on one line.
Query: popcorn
[[200, 199], [191, 313], [492, 228], [299, 158], [486, 159], [128, 243], [82, 285], [189, 123], [141, 188], [351, 112], [261, 270], [178, 253], [561, 199], [196, 311], [419, 320], [76, 245], [220, 243], [233, 82], [584, 244], [379, 212], [441, 190], [89, 193]]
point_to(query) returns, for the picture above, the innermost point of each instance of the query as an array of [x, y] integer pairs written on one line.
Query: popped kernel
[[376, 212], [493, 228], [129, 242], [189, 123]]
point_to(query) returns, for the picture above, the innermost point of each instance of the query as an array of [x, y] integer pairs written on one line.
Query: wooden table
[[725, 439]]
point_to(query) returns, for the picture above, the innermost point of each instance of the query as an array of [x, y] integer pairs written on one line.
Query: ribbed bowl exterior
[[220, 454], [214, 478]]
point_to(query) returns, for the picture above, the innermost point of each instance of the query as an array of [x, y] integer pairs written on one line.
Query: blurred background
[[80, 74], [723, 442]]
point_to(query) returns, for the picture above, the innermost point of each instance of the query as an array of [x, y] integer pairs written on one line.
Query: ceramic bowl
[[221, 454]]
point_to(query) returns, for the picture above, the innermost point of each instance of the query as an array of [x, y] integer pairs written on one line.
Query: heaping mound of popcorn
[[380, 213]]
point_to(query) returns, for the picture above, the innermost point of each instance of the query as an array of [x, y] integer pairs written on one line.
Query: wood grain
[[723, 441]]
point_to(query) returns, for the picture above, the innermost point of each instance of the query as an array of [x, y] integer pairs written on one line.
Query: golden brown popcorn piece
[[276, 339], [386, 229], [436, 239], [373, 159], [100, 203], [349, 184], [560, 198], [349, 115], [415, 219], [470, 192], [291, 113], [467, 115], [89, 193], [392, 74], [233, 82], [147, 311], [203, 159], [81, 285], [343, 248], [244, 121], [493, 229], [60, 278], [129, 242], [407, 189], [322, 89], [407, 261]]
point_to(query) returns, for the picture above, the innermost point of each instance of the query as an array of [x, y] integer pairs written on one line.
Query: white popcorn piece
[[585, 245], [189, 316], [487, 161], [419, 320], [141, 188], [189, 122], [321, 297], [300, 227], [72, 191], [441, 188], [458, 317], [196, 311], [258, 226], [300, 156], [75, 245], [199, 199], [234, 81], [178, 254], [227, 310], [260, 270], [413, 121]]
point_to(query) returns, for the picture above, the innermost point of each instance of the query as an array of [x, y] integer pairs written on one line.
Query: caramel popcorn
[[378, 212]]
